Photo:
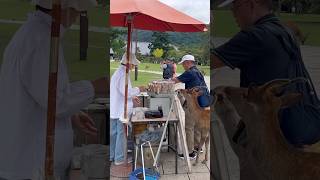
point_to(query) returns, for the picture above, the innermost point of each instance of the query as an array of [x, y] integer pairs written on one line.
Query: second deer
[[200, 115], [271, 157]]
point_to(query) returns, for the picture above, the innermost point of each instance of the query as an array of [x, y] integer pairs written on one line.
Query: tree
[[205, 48], [116, 42], [315, 6], [160, 40], [158, 53]]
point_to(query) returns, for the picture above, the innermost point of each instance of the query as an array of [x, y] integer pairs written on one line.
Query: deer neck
[[269, 145], [195, 104], [272, 130]]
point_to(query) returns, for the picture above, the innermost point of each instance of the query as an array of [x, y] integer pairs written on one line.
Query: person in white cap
[[24, 94], [192, 77], [117, 96]]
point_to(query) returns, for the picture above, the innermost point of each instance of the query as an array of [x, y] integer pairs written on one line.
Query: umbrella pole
[[136, 52], [52, 89], [126, 86]]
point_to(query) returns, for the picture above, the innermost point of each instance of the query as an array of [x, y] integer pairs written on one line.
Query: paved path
[[167, 169]]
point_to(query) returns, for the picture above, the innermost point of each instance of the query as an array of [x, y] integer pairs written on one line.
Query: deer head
[[182, 93], [188, 94], [195, 92]]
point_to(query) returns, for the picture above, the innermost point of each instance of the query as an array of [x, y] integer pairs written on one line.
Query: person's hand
[[100, 86], [176, 80], [84, 123], [136, 101], [142, 88]]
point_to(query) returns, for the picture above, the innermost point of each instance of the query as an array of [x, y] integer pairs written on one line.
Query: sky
[[198, 9]]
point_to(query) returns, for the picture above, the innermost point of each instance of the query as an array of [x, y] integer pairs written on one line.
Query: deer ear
[[290, 99]]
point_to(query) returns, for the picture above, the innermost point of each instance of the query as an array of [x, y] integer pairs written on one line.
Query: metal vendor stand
[[173, 114]]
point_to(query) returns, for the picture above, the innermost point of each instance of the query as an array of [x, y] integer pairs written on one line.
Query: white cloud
[[198, 9]]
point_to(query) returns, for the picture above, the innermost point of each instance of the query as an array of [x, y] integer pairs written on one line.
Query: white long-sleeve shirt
[[23, 102], [117, 91]]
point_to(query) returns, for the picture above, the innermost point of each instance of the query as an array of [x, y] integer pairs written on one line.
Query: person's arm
[[176, 80], [132, 91], [71, 97], [183, 78], [238, 51], [174, 68]]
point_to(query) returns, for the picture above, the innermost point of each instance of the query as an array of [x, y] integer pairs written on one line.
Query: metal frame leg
[[136, 156], [142, 158]]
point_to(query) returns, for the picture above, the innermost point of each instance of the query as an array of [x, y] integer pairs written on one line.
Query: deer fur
[[267, 150], [200, 115]]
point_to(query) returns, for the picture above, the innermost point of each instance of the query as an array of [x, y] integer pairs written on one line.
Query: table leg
[[168, 136], [134, 150], [176, 146]]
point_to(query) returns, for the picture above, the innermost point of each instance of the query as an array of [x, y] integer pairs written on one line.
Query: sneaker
[[192, 156], [117, 163]]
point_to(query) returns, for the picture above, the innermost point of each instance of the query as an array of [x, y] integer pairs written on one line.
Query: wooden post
[[129, 23], [52, 89], [83, 35], [136, 51]]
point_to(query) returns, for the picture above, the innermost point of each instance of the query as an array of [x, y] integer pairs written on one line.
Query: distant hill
[[174, 37]]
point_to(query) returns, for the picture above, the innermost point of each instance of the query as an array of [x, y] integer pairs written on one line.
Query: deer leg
[[202, 140], [207, 147]]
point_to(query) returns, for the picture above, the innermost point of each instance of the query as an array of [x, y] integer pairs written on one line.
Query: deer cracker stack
[[161, 87]]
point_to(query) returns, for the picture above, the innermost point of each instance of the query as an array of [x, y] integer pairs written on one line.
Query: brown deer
[[200, 115], [267, 150]]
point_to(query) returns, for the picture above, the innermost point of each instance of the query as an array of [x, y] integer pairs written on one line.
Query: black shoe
[[192, 155], [196, 149]]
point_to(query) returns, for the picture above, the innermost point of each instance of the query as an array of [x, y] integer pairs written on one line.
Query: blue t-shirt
[[257, 53], [168, 72], [193, 78]]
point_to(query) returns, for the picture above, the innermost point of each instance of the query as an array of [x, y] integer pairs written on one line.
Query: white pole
[[163, 133]]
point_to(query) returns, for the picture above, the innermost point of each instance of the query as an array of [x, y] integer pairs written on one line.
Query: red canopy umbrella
[[152, 15], [149, 15]]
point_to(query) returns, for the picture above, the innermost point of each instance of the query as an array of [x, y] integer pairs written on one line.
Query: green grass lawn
[[225, 26], [156, 67], [143, 78]]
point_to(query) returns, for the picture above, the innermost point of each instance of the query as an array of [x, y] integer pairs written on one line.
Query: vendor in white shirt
[[117, 93], [24, 94]]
